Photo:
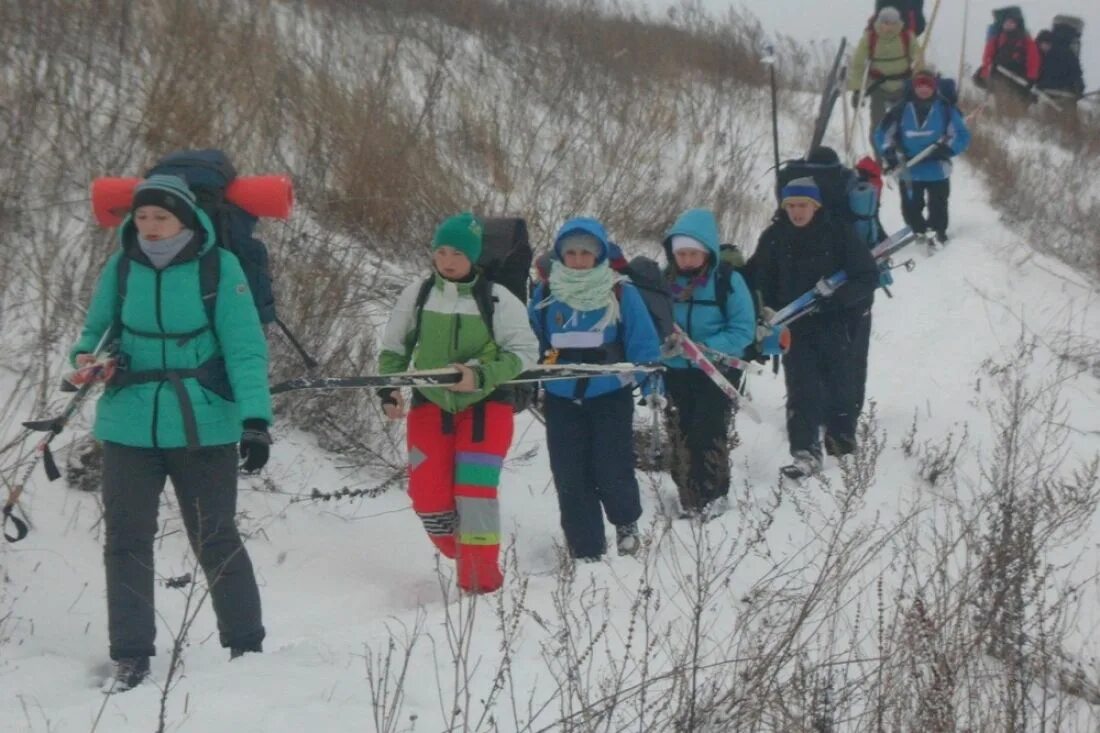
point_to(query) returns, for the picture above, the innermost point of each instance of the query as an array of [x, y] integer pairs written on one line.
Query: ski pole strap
[[211, 375], [10, 518]]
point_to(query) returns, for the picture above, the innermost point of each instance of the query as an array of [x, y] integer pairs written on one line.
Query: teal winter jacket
[[699, 314], [168, 301]]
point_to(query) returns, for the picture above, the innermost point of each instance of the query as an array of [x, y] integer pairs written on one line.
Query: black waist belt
[[210, 375]]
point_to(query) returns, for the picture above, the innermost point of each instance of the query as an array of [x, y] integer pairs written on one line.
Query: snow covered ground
[[342, 580], [338, 578]]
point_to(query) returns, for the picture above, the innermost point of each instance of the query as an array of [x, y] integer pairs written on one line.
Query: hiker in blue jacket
[[714, 308], [586, 313], [924, 119]]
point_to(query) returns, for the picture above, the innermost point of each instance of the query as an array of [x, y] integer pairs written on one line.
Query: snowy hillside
[[854, 603]]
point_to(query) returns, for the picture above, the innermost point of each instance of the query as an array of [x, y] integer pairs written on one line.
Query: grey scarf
[[163, 251]]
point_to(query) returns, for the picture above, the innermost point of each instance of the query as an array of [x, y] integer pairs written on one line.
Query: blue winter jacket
[[700, 316], [902, 130], [633, 338]]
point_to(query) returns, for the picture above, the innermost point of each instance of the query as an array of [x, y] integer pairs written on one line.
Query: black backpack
[[506, 258], [1067, 31], [912, 12]]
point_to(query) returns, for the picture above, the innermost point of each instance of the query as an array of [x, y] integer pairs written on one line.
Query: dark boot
[[129, 672], [627, 539], [839, 445]]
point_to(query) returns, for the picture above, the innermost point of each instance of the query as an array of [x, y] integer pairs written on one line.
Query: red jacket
[[1018, 53]]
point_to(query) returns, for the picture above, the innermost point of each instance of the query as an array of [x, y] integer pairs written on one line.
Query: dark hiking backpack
[[1067, 31], [506, 258], [912, 12], [208, 173]]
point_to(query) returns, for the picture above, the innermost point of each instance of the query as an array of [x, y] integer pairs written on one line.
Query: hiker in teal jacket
[[714, 308], [188, 382]]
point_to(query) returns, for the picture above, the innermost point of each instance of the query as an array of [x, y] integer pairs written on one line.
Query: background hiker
[[885, 57], [803, 246], [587, 313], [1009, 46], [1060, 74], [186, 390], [925, 119], [458, 435], [713, 306]]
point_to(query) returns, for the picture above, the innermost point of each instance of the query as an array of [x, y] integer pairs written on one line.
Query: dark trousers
[[913, 194], [592, 457], [205, 481], [819, 385], [859, 334], [699, 421]]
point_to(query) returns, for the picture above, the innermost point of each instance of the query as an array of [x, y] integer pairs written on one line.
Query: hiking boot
[[235, 652], [129, 672], [941, 238], [627, 539], [839, 445], [803, 465], [715, 508]]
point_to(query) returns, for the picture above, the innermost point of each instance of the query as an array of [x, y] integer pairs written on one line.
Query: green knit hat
[[463, 232]]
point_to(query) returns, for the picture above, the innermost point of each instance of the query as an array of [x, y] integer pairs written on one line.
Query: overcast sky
[[830, 19]]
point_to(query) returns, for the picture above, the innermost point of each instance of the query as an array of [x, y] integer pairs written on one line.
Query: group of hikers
[[1015, 68], [187, 394]]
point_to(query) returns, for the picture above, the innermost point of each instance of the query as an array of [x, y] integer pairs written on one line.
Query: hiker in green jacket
[[458, 435], [181, 392], [890, 50]]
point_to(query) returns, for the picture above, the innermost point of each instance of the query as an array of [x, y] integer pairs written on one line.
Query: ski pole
[[770, 60], [928, 32], [310, 362], [52, 427], [962, 49]]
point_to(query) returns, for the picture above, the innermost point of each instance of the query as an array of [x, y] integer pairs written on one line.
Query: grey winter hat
[[889, 15], [581, 242], [168, 192]]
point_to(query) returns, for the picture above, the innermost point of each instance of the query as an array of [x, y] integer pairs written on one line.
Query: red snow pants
[[454, 469]]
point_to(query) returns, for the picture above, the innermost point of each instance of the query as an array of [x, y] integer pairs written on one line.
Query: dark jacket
[[789, 261], [1061, 69]]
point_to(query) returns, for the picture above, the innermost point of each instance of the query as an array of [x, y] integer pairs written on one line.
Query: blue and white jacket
[[904, 131], [700, 315], [560, 327]]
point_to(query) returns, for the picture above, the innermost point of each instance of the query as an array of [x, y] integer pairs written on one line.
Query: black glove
[[890, 157], [941, 151], [255, 445], [855, 98]]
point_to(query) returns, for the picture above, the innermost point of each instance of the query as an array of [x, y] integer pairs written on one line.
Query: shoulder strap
[[872, 43], [486, 301], [722, 286], [421, 298], [210, 267]]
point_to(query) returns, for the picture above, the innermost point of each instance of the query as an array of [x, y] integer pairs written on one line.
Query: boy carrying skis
[[803, 246], [925, 119]]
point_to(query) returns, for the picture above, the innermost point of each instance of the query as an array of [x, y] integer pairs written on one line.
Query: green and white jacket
[[452, 331]]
